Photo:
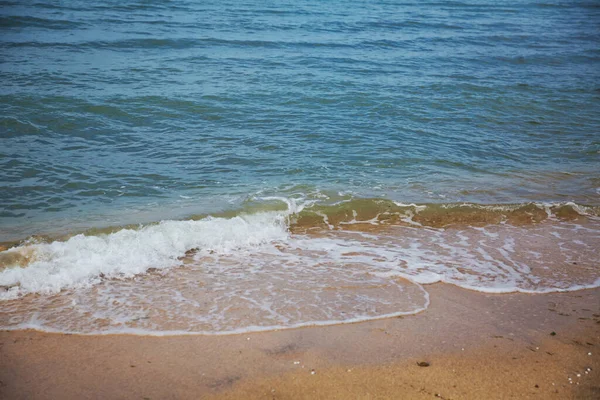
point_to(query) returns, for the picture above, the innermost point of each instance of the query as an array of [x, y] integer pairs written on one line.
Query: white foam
[[354, 221], [82, 260], [40, 326]]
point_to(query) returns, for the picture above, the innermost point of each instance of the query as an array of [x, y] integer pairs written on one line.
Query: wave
[[376, 211], [279, 263], [84, 260], [34, 22], [40, 265]]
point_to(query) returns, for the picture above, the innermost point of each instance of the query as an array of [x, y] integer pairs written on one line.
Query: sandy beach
[[299, 200], [466, 345]]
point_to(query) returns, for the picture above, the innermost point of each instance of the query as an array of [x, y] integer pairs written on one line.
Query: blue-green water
[[116, 112], [311, 162]]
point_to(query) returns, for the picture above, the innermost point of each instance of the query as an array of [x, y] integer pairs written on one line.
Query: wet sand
[[476, 346]]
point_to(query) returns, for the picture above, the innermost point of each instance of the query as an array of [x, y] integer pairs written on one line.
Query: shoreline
[[498, 344], [309, 216]]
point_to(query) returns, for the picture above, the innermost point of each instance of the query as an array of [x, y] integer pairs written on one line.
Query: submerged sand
[[476, 346]]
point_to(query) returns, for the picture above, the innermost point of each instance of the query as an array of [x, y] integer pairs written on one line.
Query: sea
[[219, 167]]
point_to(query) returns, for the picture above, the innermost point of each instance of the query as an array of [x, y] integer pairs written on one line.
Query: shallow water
[[251, 273], [286, 122]]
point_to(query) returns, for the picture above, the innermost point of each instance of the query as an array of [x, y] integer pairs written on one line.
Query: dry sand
[[477, 346]]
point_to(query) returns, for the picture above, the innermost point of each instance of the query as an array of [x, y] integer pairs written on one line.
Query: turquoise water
[[125, 112]]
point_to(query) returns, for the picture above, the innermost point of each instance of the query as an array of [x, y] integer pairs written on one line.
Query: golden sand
[[477, 346]]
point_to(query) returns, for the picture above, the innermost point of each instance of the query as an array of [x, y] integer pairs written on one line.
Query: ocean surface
[[215, 167]]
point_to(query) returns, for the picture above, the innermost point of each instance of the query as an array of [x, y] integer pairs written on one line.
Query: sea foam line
[[246, 330]]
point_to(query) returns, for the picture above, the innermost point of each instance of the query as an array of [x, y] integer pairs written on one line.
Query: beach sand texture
[[477, 346]]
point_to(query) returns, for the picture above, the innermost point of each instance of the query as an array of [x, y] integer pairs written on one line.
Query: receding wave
[[277, 264]]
